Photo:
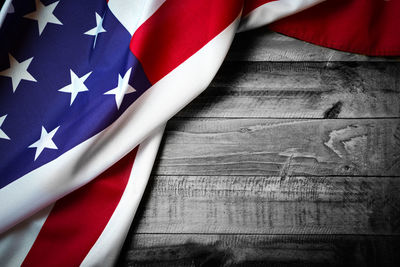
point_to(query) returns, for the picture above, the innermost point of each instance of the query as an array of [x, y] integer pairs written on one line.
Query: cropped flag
[[86, 88]]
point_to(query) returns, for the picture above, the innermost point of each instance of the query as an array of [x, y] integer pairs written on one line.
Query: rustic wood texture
[[290, 158], [276, 146], [262, 250], [271, 205], [301, 90], [264, 45]]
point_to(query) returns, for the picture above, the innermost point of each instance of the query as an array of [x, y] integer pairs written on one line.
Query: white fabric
[[273, 11], [4, 11], [107, 247], [132, 13], [16, 242]]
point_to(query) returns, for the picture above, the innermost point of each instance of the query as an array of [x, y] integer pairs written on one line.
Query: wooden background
[[290, 158]]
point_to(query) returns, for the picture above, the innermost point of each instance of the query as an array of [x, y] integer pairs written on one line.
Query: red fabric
[[177, 30], [77, 220], [369, 27], [250, 5]]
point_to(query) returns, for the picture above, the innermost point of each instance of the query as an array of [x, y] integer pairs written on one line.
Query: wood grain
[[261, 250], [264, 45], [290, 158], [301, 90], [280, 146], [271, 205]]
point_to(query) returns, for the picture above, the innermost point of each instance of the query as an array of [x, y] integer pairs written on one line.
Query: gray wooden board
[[261, 250], [280, 147], [264, 45], [301, 90], [271, 205], [290, 158]]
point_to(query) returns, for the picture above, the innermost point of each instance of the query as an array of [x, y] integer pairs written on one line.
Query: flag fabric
[[367, 27], [86, 88]]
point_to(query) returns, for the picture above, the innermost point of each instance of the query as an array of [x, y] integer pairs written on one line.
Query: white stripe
[[273, 11], [16, 242], [89, 159], [132, 13], [106, 249], [4, 11]]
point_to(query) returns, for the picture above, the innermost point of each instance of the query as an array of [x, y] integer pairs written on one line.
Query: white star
[[3, 134], [18, 71], [76, 86], [43, 15], [122, 89], [96, 30], [45, 141]]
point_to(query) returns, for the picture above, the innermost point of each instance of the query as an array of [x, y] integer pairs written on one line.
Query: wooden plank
[[271, 205], [264, 45], [301, 90], [276, 146], [261, 250]]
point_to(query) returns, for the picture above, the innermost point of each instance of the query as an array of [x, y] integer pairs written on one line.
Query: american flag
[[85, 89]]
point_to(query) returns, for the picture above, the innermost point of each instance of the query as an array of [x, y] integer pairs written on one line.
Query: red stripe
[[250, 5], [77, 220], [177, 30], [360, 26]]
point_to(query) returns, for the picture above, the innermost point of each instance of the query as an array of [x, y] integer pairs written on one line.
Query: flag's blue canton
[[56, 51]]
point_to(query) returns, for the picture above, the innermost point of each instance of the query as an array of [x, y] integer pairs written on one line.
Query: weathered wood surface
[[290, 158], [271, 205], [276, 146], [301, 90], [261, 250], [264, 45]]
